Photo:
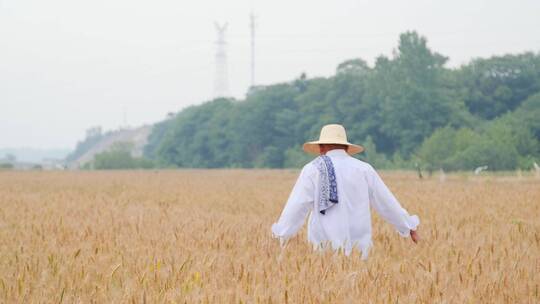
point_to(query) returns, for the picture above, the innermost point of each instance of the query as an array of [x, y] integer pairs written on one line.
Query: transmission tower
[[252, 26], [221, 80]]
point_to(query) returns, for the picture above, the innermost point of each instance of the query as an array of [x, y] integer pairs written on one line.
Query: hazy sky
[[66, 65]]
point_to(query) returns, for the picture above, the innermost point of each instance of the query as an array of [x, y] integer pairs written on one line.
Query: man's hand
[[414, 236]]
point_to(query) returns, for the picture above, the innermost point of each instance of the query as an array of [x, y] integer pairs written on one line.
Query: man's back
[[347, 224]]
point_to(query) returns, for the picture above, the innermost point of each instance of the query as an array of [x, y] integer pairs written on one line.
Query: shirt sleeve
[[388, 206], [298, 205]]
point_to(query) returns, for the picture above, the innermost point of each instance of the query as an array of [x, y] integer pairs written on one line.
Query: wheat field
[[204, 237]]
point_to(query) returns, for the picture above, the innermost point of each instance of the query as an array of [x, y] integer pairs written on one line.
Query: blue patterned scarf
[[327, 183]]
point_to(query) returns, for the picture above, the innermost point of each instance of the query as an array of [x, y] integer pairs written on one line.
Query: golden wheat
[[204, 237]]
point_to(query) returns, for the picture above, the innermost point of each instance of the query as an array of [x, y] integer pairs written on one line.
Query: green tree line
[[118, 157], [406, 109]]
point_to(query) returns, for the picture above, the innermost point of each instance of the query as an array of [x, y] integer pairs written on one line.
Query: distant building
[[94, 131], [137, 136]]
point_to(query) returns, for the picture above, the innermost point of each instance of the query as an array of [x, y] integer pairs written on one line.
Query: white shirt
[[346, 224]]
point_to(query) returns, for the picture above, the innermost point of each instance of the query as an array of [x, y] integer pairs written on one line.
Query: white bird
[[480, 169]]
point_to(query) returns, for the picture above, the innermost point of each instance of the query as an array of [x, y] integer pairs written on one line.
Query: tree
[[499, 84], [119, 157], [6, 166], [406, 108], [437, 151], [409, 96], [485, 152], [357, 67], [370, 155]]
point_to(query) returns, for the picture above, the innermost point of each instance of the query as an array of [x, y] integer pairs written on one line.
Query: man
[[339, 190]]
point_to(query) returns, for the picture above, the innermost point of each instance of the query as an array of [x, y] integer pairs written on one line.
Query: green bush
[[371, 156], [295, 157], [499, 145], [119, 157], [437, 151], [494, 154], [6, 166]]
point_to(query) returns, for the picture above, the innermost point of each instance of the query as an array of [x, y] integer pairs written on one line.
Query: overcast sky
[[67, 65]]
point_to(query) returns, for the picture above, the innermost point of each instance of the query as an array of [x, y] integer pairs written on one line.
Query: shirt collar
[[337, 152]]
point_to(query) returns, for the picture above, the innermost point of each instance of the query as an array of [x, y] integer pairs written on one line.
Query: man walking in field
[[339, 190]]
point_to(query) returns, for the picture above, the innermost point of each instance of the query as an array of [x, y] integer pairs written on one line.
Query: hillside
[[408, 110], [86, 150]]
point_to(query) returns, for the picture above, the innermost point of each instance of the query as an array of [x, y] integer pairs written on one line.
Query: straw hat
[[332, 134]]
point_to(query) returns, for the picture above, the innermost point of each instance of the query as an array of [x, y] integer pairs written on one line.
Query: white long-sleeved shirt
[[347, 224]]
